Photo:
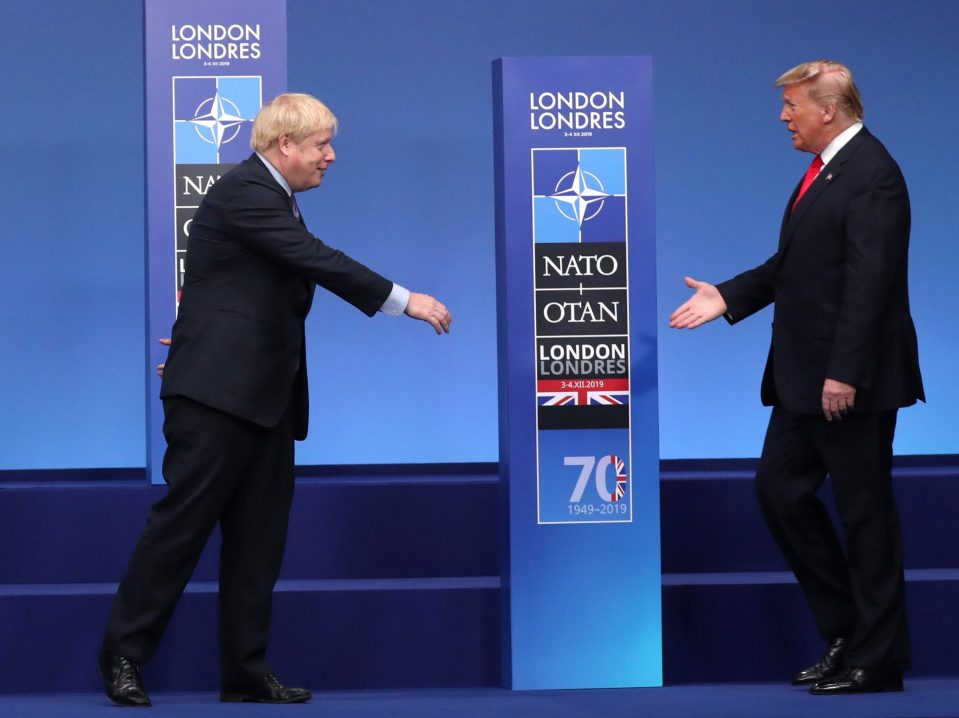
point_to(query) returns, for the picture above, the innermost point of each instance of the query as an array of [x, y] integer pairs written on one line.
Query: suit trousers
[[855, 591], [219, 469]]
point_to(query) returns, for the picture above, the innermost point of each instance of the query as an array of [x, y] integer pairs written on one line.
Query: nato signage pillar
[[577, 322], [210, 64]]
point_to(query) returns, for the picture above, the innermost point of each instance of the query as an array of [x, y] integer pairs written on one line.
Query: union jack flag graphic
[[582, 392], [621, 479]]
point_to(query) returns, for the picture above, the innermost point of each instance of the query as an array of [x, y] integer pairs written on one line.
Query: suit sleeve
[[876, 245], [747, 293], [261, 219]]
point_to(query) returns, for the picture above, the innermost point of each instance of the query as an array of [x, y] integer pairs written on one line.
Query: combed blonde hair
[[830, 82], [293, 113]]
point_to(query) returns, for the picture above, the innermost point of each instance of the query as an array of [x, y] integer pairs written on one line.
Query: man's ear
[[283, 143], [828, 113]]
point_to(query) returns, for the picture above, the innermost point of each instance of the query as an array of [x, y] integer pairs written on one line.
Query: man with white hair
[[235, 398], [843, 359]]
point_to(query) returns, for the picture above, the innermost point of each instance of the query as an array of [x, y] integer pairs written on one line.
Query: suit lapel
[[793, 217], [309, 287], [264, 171]]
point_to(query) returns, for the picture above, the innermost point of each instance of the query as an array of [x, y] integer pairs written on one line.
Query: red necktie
[[807, 180]]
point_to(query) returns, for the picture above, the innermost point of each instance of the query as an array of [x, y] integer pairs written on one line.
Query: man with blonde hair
[[843, 359], [235, 398]]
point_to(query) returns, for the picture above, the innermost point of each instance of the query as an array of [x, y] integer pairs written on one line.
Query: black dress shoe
[[270, 690], [121, 676], [829, 665], [859, 680]]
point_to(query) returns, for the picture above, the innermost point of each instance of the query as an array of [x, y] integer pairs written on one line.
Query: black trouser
[[859, 592], [219, 469]]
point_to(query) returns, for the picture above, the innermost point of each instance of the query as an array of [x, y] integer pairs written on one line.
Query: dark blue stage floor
[[923, 698], [399, 614]]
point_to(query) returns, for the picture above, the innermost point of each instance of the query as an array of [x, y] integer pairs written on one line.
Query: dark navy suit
[[838, 282], [235, 397]]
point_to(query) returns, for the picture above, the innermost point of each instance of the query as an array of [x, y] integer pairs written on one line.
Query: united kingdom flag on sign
[[621, 478], [582, 392], [608, 397]]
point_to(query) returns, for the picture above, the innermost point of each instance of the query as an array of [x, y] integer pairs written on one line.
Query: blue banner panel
[[210, 65], [576, 310]]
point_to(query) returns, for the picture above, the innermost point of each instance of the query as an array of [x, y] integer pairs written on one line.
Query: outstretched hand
[[428, 309], [704, 306]]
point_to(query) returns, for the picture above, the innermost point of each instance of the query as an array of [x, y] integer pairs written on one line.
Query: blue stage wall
[[412, 194]]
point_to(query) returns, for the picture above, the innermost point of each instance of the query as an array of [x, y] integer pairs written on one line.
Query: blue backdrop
[[412, 194]]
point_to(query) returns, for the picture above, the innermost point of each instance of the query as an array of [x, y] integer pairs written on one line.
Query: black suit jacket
[[839, 285], [238, 343]]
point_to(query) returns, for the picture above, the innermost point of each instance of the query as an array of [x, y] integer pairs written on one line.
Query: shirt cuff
[[395, 304]]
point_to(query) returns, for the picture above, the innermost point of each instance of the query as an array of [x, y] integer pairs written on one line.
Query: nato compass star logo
[[579, 195], [217, 120], [213, 118]]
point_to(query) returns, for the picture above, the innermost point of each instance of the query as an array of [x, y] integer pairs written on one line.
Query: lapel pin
[[829, 176]]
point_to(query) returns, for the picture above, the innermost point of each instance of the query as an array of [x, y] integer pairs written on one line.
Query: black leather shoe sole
[[231, 697], [827, 667], [841, 686], [128, 702], [810, 676]]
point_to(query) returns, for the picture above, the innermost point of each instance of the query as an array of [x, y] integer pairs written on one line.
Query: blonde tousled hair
[[829, 82], [295, 114]]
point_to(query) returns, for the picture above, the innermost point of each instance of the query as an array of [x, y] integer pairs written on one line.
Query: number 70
[[588, 463]]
